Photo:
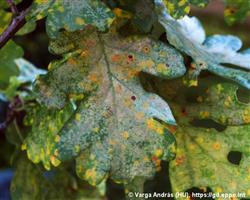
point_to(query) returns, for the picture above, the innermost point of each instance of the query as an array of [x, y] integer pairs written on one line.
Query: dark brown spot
[[133, 98], [130, 57], [183, 111], [146, 49]]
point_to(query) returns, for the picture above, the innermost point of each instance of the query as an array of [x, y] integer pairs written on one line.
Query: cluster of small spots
[[156, 126], [177, 9]]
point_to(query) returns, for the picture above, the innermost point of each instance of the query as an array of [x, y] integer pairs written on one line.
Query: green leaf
[[114, 126], [210, 54], [41, 140], [201, 159], [202, 151], [8, 68], [236, 10], [71, 15], [179, 8], [221, 104], [31, 182], [5, 18], [27, 75]]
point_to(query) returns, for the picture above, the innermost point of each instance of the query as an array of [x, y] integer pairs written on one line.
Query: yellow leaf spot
[[193, 83], [122, 13], [218, 189], [246, 116], [161, 67], [219, 88], [125, 134], [93, 78], [39, 16], [154, 125], [77, 148], [71, 61], [23, 147], [96, 129], [132, 73], [151, 123], [75, 97], [41, 1], [79, 21], [217, 146], [61, 8], [57, 138], [90, 173], [170, 6], [228, 101], [191, 146], [233, 184], [187, 9], [78, 117], [146, 159], [110, 21], [182, 2], [84, 53], [55, 161], [146, 64], [56, 153], [204, 114], [158, 153], [139, 115], [200, 140]]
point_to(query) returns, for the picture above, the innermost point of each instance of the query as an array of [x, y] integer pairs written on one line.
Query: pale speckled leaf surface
[[202, 152], [208, 54], [180, 8], [71, 15], [115, 124]]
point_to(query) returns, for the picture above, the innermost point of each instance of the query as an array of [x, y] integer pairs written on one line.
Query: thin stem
[[16, 23], [13, 7]]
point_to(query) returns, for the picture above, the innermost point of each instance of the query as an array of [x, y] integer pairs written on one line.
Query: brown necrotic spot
[[133, 98], [130, 57], [146, 49]]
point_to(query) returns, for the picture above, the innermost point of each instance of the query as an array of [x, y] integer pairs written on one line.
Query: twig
[[16, 23], [13, 7]]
